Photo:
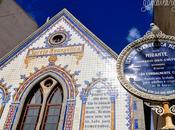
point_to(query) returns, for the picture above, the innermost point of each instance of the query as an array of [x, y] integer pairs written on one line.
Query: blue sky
[[115, 22]]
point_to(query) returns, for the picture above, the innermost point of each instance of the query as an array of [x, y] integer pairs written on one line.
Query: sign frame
[[147, 38]]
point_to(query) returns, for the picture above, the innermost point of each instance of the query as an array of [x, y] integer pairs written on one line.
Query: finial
[[47, 20], [154, 29]]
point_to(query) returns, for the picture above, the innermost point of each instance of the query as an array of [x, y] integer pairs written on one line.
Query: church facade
[[63, 77]]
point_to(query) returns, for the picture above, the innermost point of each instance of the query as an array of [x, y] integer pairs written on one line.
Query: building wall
[[15, 26], [84, 66]]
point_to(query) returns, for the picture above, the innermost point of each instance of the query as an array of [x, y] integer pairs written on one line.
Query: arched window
[[43, 105]]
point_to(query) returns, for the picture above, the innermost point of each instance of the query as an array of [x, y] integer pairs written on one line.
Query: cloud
[[133, 34]]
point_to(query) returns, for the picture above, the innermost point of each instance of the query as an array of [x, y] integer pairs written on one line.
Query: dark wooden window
[[32, 110], [53, 110], [34, 103]]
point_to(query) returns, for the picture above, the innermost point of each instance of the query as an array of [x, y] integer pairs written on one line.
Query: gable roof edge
[[107, 48], [64, 11]]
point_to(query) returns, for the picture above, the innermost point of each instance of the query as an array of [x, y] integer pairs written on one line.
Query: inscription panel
[[99, 109], [151, 68]]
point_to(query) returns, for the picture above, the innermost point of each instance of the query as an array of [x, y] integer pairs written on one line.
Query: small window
[[57, 38]]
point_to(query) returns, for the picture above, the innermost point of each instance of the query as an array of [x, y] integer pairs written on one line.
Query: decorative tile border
[[62, 30], [66, 76], [10, 117], [129, 112], [69, 115]]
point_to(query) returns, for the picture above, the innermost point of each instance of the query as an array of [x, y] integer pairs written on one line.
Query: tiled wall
[[96, 99]]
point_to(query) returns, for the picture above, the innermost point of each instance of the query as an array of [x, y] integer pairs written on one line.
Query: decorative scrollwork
[[158, 109], [172, 109]]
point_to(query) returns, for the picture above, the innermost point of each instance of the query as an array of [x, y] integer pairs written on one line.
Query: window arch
[[43, 105], [2, 96]]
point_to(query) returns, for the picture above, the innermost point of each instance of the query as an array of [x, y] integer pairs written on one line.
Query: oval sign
[[147, 69]]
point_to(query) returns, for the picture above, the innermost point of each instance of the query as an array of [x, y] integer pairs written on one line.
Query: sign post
[[168, 117], [146, 68]]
